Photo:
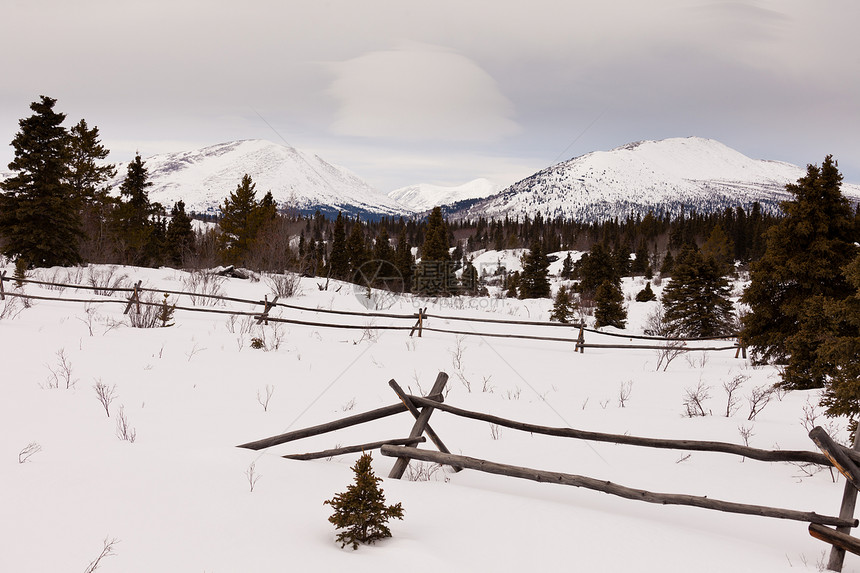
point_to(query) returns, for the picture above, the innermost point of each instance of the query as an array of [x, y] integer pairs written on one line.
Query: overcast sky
[[442, 92]]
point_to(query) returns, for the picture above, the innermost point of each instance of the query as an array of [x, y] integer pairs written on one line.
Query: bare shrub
[[61, 373], [202, 286], [495, 431], [457, 361], [657, 325], [348, 406], [107, 551], [11, 307], [732, 399], [151, 313], [424, 471], [264, 400], [286, 285], [105, 280], [237, 325], [252, 475], [28, 452], [123, 430], [758, 399], [624, 393], [106, 395], [694, 400]]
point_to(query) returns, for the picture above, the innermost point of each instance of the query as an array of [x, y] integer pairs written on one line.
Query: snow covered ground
[[179, 497]]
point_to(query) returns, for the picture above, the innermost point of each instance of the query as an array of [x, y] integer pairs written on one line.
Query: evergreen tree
[[403, 259], [567, 267], [563, 306], [719, 247], [803, 249], [610, 309], [470, 282], [361, 511], [242, 219], [533, 280], [87, 175], [697, 298], [837, 349], [668, 265], [39, 218], [646, 294], [132, 219], [180, 237], [434, 275], [356, 251], [338, 267], [597, 267]]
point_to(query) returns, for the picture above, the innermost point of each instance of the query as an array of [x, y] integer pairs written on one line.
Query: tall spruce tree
[[534, 281], [88, 177], [133, 223], [39, 219], [242, 219], [696, 300], [610, 309], [434, 275], [338, 263], [180, 237], [804, 249]]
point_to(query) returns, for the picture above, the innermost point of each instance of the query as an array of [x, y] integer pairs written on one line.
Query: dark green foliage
[[534, 281], [361, 511], [20, 271], [180, 237], [39, 217], [470, 282], [132, 219], [338, 265], [697, 298], [356, 251], [646, 294], [563, 306], [403, 260], [596, 267], [801, 261], [434, 275], [512, 284], [610, 309], [567, 268], [838, 347], [640, 263], [720, 248], [242, 219], [87, 176], [668, 265]]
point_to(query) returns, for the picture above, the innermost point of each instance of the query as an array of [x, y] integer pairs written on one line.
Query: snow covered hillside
[[423, 197], [203, 178], [668, 175], [182, 497]]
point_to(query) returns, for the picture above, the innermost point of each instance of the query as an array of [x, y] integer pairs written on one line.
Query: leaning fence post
[[135, 299], [417, 413], [419, 426], [846, 511], [419, 324], [267, 306]]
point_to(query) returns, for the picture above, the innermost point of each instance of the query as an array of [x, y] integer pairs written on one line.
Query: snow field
[[179, 499]]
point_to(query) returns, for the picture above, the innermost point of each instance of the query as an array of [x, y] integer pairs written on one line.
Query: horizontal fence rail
[[576, 338]]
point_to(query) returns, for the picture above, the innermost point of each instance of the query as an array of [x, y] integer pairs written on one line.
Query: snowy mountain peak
[[423, 196], [669, 175], [203, 178]]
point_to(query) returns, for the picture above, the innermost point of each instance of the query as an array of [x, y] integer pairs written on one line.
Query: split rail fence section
[[416, 323], [832, 529]]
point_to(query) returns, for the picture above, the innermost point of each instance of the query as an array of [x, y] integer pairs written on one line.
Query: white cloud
[[419, 93]]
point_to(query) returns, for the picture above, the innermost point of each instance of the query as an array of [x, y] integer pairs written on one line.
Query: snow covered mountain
[[423, 197], [667, 175], [203, 178]]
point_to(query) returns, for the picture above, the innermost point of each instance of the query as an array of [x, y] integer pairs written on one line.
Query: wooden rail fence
[[421, 408], [420, 318]]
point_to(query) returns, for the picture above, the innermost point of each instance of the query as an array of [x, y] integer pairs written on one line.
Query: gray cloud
[[444, 85]]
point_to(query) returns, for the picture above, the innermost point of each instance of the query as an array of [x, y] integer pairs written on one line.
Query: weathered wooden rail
[[421, 408]]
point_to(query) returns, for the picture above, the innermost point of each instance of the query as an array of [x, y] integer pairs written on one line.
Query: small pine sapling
[[646, 294], [361, 511], [165, 312]]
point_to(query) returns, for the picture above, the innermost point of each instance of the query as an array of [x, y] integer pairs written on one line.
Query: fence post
[[267, 306], [419, 324], [135, 299], [580, 340], [846, 511], [2, 279], [419, 426]]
